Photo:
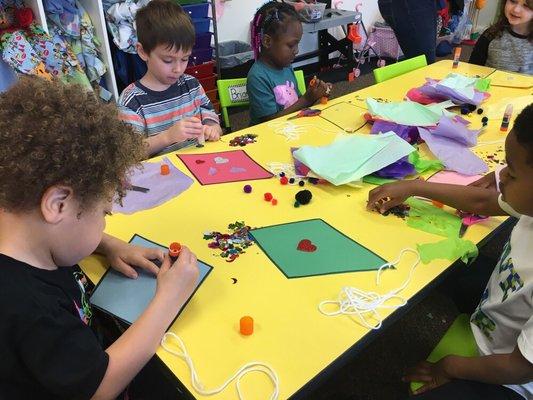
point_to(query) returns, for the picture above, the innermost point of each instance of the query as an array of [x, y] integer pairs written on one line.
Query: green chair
[[457, 340], [232, 93], [391, 71]]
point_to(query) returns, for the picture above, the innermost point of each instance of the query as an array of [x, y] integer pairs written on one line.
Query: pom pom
[[282, 174], [296, 204], [291, 181], [268, 196], [274, 202], [283, 180], [301, 183], [247, 189], [480, 111], [485, 120], [303, 197]]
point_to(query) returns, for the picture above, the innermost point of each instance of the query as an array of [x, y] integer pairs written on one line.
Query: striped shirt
[[151, 112]]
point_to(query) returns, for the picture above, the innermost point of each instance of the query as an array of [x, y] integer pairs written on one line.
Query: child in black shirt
[[63, 157]]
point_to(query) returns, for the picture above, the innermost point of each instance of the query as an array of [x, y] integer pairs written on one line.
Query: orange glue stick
[[506, 118], [456, 57]]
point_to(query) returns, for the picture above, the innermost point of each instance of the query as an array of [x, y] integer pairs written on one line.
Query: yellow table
[[290, 334]]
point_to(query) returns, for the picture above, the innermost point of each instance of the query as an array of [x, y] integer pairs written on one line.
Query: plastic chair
[[391, 71], [232, 93], [458, 340]]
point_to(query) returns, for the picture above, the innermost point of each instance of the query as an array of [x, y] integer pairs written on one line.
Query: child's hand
[[316, 90], [175, 283], [123, 257], [184, 129], [212, 132], [431, 374], [389, 195]]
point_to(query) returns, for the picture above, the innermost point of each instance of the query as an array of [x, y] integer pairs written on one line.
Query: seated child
[[502, 324], [167, 106], [63, 158], [508, 44], [271, 85]]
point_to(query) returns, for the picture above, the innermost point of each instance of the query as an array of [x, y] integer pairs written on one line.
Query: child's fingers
[[165, 265], [147, 265], [125, 269]]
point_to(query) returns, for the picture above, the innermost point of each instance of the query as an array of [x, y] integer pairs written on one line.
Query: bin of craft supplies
[[309, 12]]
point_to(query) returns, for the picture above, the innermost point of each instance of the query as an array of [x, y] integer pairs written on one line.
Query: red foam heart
[[306, 245], [200, 161]]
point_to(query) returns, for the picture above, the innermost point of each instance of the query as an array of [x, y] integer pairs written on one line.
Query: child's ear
[[56, 203], [266, 41], [141, 52]]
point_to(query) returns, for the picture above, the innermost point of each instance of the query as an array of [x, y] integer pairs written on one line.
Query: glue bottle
[[456, 57], [506, 118]]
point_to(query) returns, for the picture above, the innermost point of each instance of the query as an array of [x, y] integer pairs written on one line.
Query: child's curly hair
[[57, 134]]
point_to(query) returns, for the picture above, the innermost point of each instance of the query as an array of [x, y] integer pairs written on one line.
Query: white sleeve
[[507, 208], [497, 171], [525, 340]]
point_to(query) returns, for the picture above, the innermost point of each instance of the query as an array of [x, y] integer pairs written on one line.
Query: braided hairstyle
[[270, 19]]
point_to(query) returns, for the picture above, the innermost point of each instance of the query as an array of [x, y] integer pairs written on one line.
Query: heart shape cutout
[[200, 161], [306, 245], [237, 170], [220, 160]]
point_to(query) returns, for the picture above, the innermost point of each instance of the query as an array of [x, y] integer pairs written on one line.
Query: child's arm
[[311, 96], [138, 344], [123, 256], [480, 52], [186, 128], [498, 369], [182, 130], [466, 198]]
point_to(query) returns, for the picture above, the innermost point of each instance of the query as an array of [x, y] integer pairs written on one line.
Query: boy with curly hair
[[63, 158], [166, 105]]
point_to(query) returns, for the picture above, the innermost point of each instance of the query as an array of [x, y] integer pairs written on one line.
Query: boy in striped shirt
[[167, 106]]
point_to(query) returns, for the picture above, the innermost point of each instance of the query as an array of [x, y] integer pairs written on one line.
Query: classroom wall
[[235, 21], [487, 15]]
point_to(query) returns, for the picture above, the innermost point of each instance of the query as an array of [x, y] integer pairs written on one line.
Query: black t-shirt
[[47, 349]]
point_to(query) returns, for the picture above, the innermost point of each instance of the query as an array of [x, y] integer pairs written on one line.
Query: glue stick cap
[[174, 249], [246, 325]]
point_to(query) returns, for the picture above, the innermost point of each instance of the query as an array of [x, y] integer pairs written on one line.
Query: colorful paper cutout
[[335, 252], [223, 167], [346, 116], [448, 249], [428, 218], [408, 112], [350, 158], [453, 178], [127, 298], [162, 187], [512, 80]]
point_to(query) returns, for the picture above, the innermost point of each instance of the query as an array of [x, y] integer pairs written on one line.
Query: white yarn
[[292, 131], [253, 366], [354, 301]]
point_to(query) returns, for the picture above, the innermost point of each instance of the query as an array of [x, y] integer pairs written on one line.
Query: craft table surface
[[290, 335]]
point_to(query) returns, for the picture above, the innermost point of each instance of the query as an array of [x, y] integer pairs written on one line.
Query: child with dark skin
[[505, 364], [271, 85]]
